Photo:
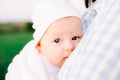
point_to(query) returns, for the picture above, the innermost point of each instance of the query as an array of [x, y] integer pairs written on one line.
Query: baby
[[58, 30]]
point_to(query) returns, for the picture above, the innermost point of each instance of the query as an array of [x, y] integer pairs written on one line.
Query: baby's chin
[[64, 59], [61, 63]]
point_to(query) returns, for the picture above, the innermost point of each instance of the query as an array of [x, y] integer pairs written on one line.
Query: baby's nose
[[69, 47]]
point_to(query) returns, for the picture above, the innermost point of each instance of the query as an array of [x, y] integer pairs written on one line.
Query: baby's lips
[[66, 57]]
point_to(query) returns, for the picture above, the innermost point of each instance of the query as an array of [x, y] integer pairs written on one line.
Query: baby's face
[[60, 40]]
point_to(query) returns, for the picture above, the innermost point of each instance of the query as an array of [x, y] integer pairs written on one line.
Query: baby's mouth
[[65, 58]]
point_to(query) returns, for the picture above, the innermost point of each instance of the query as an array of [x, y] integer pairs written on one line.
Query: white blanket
[[26, 65]]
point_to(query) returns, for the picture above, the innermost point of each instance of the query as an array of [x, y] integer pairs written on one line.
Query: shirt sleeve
[[97, 56]]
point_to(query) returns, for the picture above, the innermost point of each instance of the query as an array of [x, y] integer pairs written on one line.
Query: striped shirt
[[97, 56]]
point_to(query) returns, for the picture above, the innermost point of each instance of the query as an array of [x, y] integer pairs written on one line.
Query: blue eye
[[57, 41], [75, 38]]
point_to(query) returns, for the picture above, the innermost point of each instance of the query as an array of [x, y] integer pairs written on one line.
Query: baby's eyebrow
[[79, 33]]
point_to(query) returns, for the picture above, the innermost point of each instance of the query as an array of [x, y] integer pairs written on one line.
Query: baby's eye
[[57, 41], [75, 38]]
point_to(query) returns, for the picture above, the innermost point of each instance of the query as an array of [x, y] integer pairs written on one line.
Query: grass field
[[10, 45]]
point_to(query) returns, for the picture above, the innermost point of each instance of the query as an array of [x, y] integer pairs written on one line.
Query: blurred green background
[[13, 36]]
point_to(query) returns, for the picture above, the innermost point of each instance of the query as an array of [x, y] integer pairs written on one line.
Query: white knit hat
[[48, 11]]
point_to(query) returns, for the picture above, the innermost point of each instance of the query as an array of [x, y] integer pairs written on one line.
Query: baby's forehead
[[71, 23], [63, 30], [67, 19]]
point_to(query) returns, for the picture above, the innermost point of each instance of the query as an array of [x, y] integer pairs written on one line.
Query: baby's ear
[[38, 46]]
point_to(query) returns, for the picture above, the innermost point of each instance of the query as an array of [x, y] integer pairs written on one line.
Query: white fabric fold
[[26, 65]]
